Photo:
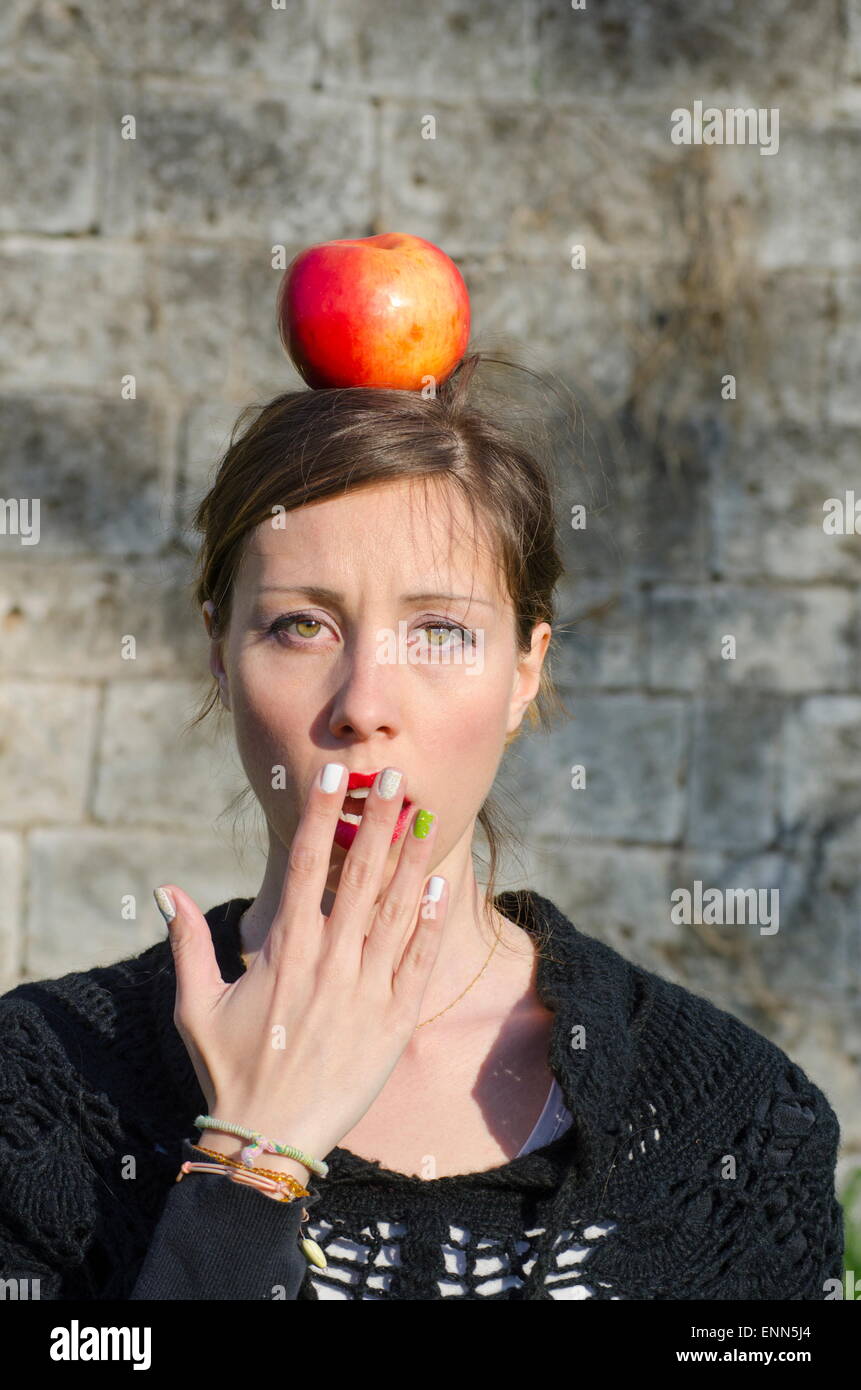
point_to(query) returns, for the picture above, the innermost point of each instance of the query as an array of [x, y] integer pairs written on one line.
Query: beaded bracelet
[[260, 1144], [287, 1179]]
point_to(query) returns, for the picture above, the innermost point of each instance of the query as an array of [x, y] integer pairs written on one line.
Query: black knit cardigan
[[709, 1152]]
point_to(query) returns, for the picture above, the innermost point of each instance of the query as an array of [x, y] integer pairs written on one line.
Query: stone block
[[632, 749], [785, 378], [602, 635], [820, 916], [815, 169], [198, 323], [734, 770], [262, 368], [234, 40], [577, 317], [734, 963], [152, 774], [204, 436], [621, 49], [50, 131], [602, 179], [666, 498], [11, 15], [90, 891], [95, 467], [843, 354], [202, 167], [794, 640], [76, 316], [77, 616], [62, 39], [852, 55], [613, 892], [47, 746], [820, 784], [440, 51], [769, 497]]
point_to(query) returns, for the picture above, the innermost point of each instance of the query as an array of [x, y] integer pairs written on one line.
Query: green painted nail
[[422, 824]]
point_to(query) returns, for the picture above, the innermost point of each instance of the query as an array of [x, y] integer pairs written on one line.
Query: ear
[[527, 676], [216, 664]]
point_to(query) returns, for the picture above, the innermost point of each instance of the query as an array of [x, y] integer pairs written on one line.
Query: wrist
[[310, 1134], [231, 1146]]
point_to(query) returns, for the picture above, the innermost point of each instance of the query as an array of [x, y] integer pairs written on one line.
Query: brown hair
[[307, 445]]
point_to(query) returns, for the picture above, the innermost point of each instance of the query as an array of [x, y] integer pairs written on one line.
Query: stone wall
[[257, 127]]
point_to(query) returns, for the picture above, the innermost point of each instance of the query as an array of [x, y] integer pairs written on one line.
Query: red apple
[[384, 311]]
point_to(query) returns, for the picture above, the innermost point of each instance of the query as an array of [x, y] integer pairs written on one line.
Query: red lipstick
[[345, 831]]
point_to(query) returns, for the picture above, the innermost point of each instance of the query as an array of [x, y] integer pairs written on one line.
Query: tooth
[[350, 818], [359, 793]]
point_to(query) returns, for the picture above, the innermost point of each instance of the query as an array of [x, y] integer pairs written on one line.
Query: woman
[[403, 1089]]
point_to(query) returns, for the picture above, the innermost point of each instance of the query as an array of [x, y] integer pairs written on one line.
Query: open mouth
[[354, 805]]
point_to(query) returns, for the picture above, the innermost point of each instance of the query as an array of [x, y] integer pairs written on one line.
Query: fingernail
[[422, 824], [165, 904], [330, 777], [435, 887], [389, 781]]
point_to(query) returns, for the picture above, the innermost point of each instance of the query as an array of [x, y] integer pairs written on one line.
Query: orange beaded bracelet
[[287, 1179]]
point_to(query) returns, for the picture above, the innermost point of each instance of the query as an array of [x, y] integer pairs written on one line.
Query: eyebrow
[[323, 595]]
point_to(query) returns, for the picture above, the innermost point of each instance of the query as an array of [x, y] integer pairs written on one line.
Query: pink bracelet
[[237, 1175]]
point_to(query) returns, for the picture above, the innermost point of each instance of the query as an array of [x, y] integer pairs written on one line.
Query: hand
[[300, 1045]]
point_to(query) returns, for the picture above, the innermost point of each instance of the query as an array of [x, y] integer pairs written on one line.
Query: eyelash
[[286, 619]]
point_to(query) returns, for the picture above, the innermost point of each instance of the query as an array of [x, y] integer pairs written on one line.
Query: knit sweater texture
[[700, 1163]]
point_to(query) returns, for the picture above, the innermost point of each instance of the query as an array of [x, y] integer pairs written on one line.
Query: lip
[[345, 831]]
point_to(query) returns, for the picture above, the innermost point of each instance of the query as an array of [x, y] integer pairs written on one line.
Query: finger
[[362, 870], [398, 907], [308, 863], [422, 948], [198, 978]]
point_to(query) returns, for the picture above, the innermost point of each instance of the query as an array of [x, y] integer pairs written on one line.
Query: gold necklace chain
[[463, 992], [244, 960]]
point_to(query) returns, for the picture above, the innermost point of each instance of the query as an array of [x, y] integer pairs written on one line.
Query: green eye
[[458, 632], [290, 620]]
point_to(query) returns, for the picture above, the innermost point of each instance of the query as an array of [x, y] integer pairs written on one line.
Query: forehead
[[401, 535]]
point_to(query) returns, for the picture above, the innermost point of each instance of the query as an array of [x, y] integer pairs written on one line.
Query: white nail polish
[[164, 903], [389, 782], [435, 887], [330, 777]]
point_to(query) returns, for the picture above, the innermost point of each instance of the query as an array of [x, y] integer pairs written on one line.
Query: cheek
[[265, 696], [458, 760], [468, 730], [266, 727]]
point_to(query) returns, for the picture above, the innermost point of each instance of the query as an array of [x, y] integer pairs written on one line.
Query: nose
[[368, 697]]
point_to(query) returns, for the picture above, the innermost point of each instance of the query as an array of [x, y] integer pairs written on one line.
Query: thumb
[[198, 977]]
